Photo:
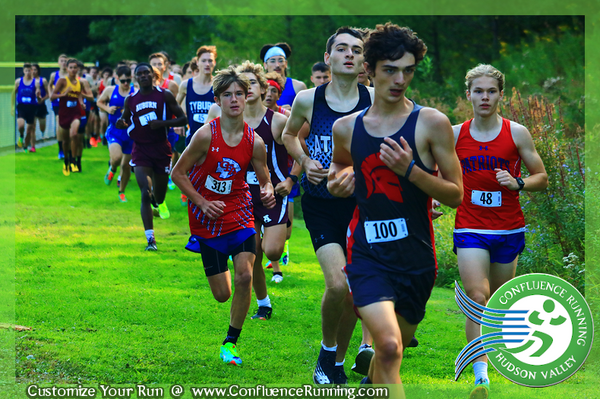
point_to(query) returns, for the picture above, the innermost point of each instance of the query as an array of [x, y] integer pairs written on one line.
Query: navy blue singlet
[[197, 106], [320, 140], [26, 93], [392, 223]]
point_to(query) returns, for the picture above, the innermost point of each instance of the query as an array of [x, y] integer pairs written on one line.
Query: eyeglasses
[[124, 81]]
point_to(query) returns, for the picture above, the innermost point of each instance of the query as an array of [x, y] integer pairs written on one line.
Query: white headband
[[274, 51]]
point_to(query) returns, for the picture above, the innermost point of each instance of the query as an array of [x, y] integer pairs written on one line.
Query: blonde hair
[[484, 70], [226, 77], [258, 71], [277, 78]]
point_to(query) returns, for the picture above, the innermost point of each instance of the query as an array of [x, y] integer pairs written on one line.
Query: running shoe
[[151, 245], [229, 354], [93, 142], [363, 359], [155, 211], [74, 168], [20, 142], [481, 390], [340, 378], [109, 176], [325, 371], [277, 278], [263, 313], [122, 197], [163, 211], [61, 155], [413, 343], [25, 149], [171, 184], [184, 200], [66, 170], [269, 265], [285, 259], [32, 149]]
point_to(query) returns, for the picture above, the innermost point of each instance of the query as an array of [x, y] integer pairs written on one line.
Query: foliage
[[556, 215]]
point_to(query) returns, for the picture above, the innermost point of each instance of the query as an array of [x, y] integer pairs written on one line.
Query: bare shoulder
[[279, 118], [305, 98], [433, 119], [298, 85], [456, 130], [520, 134], [202, 137], [346, 122], [371, 92]]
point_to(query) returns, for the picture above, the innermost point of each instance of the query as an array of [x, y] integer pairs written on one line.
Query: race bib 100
[[147, 118], [218, 186], [385, 230], [488, 199]]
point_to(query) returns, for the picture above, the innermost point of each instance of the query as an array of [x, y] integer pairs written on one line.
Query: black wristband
[[294, 178]]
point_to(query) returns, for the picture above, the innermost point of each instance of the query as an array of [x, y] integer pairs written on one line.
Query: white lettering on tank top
[[146, 104]]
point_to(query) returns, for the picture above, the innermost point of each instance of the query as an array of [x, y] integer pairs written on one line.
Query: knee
[[337, 289], [222, 295], [478, 296], [243, 279], [389, 351], [273, 252]]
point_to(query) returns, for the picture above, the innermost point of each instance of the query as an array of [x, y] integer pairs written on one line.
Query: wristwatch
[[295, 178], [520, 182]]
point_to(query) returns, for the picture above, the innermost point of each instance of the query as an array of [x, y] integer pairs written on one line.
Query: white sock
[[264, 302], [149, 234], [480, 370], [363, 347], [340, 363], [332, 349]]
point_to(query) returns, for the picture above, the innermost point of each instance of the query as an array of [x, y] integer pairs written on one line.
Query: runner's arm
[[86, 90], [105, 98], [180, 118], [259, 163], [195, 153], [340, 181], [123, 121]]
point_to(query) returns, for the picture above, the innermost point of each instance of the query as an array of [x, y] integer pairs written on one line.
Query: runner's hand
[[435, 214], [155, 124], [112, 109], [268, 198], [212, 209], [285, 187], [394, 156], [342, 185], [506, 180], [314, 171], [121, 124]]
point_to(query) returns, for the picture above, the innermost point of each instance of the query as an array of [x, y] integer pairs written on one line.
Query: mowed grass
[[103, 310]]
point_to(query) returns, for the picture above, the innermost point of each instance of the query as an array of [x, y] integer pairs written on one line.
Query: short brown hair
[[226, 77], [206, 49], [159, 55], [484, 70], [258, 71], [391, 42]]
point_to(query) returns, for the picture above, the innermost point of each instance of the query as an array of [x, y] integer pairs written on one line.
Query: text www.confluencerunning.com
[[233, 391]]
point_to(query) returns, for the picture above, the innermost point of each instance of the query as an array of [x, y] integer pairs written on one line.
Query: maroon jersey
[[153, 143], [277, 156]]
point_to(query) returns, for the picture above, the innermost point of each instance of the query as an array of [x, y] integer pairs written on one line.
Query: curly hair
[[258, 71], [391, 42]]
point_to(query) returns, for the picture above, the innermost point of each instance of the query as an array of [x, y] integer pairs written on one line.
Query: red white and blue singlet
[[488, 207], [392, 223], [222, 177]]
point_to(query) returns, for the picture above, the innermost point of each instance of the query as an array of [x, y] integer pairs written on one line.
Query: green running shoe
[[229, 354], [481, 390], [163, 211]]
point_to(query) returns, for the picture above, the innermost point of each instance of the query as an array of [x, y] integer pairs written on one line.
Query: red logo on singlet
[[380, 179]]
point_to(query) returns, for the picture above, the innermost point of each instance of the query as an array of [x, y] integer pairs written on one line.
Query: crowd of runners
[[370, 161]]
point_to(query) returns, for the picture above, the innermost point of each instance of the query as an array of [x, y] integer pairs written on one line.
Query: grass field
[[103, 311]]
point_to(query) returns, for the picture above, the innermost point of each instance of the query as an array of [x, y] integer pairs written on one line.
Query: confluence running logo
[[539, 327]]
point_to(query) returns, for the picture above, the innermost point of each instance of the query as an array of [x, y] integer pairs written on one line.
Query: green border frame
[[589, 9]]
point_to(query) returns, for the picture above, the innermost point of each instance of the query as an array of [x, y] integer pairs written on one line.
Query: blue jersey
[[26, 93], [288, 94], [116, 99], [42, 89], [197, 106], [392, 223], [56, 77], [320, 139]]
